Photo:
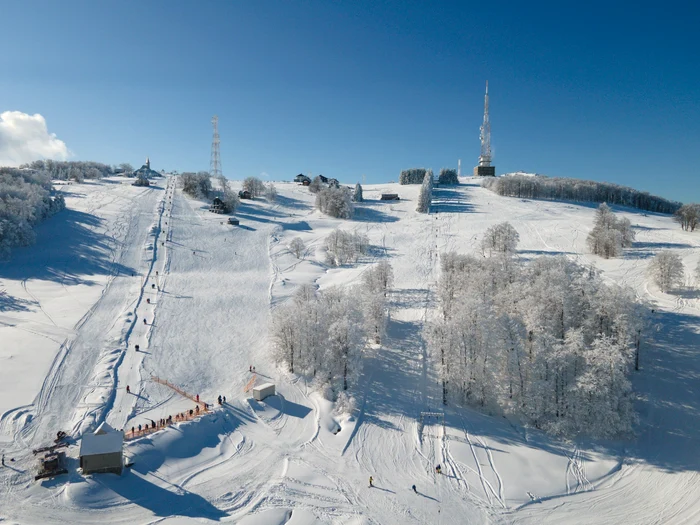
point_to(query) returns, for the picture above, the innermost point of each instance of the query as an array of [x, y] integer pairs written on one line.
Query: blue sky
[[593, 90]]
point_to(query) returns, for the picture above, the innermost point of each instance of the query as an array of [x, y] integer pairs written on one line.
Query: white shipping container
[[260, 392]]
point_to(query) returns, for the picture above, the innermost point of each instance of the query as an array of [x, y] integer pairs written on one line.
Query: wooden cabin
[[245, 194], [233, 221], [390, 197], [217, 206]]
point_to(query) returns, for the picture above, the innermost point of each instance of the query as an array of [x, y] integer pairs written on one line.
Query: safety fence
[[154, 426]]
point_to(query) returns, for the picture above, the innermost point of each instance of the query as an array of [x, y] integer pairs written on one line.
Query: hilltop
[[119, 255]]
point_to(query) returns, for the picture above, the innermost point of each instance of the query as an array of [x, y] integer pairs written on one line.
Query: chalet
[[233, 221], [245, 194], [390, 197], [333, 183], [101, 451], [323, 179], [306, 182], [217, 206], [301, 178]]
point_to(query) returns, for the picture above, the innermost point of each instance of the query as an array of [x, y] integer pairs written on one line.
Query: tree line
[[77, 170], [553, 188], [26, 199]]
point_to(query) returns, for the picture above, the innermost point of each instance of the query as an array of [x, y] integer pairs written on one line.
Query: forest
[[547, 343]]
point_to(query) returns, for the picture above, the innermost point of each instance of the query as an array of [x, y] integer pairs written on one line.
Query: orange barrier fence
[[154, 426], [150, 428], [250, 384], [179, 390]]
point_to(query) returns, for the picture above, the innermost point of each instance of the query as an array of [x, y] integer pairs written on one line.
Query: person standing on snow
[[414, 489], [371, 479]]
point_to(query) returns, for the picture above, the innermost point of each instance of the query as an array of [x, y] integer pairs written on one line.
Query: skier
[[371, 479], [137, 347], [414, 489], [253, 369], [148, 300], [438, 469], [196, 409], [153, 286], [224, 399], [139, 427], [132, 430], [197, 398], [219, 399], [250, 368], [144, 322], [128, 390]]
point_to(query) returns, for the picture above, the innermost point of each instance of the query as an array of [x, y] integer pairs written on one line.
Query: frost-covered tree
[[26, 199], [297, 247], [379, 278], [501, 239], [228, 195], [412, 176], [609, 234], [551, 188], [536, 340], [254, 185], [320, 335], [343, 247], [376, 282], [270, 193], [336, 202], [667, 270], [70, 170], [448, 176], [357, 195], [688, 216], [126, 168], [316, 184], [196, 184], [425, 198]]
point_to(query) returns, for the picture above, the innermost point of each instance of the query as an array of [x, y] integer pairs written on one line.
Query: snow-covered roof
[[105, 440], [264, 386]]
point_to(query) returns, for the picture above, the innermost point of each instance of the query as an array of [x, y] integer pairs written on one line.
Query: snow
[[104, 440], [77, 303]]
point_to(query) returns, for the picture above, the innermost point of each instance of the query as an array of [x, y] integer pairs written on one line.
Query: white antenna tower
[[485, 157], [215, 163]]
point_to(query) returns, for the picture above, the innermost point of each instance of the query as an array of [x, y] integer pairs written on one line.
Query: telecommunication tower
[[215, 163], [484, 169]]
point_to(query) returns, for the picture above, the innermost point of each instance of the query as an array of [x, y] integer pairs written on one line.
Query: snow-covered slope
[[75, 310]]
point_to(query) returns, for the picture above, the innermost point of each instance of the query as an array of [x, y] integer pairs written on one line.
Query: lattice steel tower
[[484, 169], [215, 164]]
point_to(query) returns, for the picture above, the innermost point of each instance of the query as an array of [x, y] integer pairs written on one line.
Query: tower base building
[[485, 171]]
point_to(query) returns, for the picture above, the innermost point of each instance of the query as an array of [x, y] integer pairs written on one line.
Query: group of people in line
[[166, 421]]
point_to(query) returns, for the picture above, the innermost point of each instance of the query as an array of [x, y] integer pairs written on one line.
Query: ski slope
[[120, 255]]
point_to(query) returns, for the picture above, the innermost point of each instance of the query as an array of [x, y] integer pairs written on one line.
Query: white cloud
[[24, 138]]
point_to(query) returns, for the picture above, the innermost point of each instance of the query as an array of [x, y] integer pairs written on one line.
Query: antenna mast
[[485, 169], [485, 157], [215, 163]]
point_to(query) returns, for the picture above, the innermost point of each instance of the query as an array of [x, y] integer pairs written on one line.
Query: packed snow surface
[[126, 266]]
